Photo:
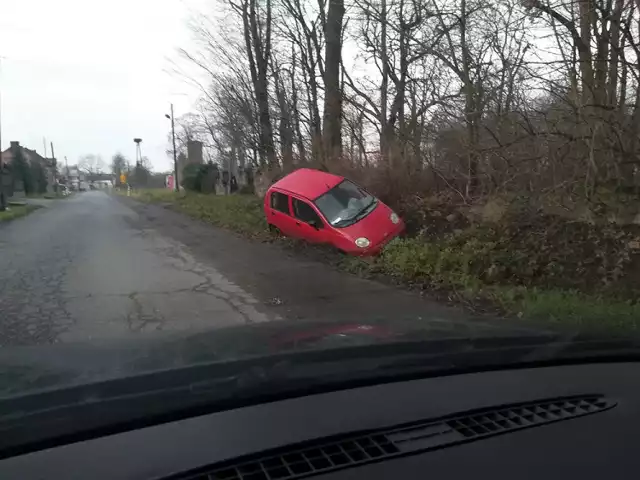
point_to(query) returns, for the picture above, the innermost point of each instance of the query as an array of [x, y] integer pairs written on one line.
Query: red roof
[[308, 183]]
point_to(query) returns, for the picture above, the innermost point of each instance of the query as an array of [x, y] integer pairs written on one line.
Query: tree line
[[470, 96]]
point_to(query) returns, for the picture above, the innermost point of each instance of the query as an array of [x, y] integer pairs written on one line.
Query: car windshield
[[344, 203], [276, 185]]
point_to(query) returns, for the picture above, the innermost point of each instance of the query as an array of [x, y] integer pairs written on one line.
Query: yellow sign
[[123, 178]]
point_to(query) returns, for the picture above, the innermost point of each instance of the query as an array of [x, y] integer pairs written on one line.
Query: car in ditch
[[325, 208]]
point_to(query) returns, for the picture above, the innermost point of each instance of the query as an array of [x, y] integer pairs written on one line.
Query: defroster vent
[[357, 449]]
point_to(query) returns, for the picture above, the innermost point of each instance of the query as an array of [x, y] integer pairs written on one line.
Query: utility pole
[[55, 170], [175, 157], [44, 144]]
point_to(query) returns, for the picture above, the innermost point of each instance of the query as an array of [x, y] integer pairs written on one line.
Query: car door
[[280, 212], [309, 225]]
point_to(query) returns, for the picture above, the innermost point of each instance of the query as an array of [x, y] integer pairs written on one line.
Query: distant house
[[72, 177], [31, 157]]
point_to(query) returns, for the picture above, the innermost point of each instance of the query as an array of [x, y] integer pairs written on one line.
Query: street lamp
[[175, 158]]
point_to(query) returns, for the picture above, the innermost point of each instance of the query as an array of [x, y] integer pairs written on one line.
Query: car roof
[[308, 182]]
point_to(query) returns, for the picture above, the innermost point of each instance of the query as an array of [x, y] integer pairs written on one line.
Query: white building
[[74, 177]]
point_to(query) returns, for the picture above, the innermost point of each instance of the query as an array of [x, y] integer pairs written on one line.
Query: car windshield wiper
[[365, 210]]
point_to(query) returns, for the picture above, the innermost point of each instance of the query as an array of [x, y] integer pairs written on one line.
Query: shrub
[[39, 178], [191, 177], [247, 189], [200, 178]]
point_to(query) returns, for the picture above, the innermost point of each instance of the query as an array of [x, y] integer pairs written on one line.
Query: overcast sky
[[90, 76]]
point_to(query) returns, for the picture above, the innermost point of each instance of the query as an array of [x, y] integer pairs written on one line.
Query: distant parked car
[[324, 208]]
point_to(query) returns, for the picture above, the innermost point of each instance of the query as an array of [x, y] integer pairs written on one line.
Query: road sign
[[123, 178]]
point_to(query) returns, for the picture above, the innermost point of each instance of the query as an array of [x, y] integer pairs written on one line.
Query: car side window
[[306, 213], [280, 202]]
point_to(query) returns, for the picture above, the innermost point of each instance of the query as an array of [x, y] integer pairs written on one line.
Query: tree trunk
[[470, 106], [332, 124], [612, 87], [284, 124], [302, 155], [258, 52], [401, 85], [585, 12], [384, 85], [362, 154]]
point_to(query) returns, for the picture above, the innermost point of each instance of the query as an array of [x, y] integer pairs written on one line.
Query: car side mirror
[[317, 224]]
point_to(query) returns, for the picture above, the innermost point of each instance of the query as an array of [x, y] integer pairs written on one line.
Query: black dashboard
[[596, 439]]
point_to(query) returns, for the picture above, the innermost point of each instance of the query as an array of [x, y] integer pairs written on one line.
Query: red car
[[324, 208]]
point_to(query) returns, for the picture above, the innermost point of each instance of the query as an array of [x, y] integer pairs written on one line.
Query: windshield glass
[[214, 182], [344, 203]]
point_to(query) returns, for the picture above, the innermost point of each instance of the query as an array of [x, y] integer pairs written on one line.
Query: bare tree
[[119, 166], [471, 96], [256, 24], [91, 164]]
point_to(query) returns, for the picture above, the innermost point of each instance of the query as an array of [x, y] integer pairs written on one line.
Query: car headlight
[[394, 218], [363, 242]]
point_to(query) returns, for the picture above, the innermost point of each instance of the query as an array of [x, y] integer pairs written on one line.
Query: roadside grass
[[16, 211], [442, 266], [151, 195], [240, 213], [55, 196], [570, 308], [516, 274], [48, 196]]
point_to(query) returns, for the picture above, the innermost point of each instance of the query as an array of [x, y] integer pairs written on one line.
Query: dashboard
[[499, 424]]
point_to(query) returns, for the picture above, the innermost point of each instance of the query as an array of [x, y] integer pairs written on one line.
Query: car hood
[[34, 368], [376, 226]]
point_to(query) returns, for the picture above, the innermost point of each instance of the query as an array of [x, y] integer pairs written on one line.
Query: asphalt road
[[96, 266], [81, 269]]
